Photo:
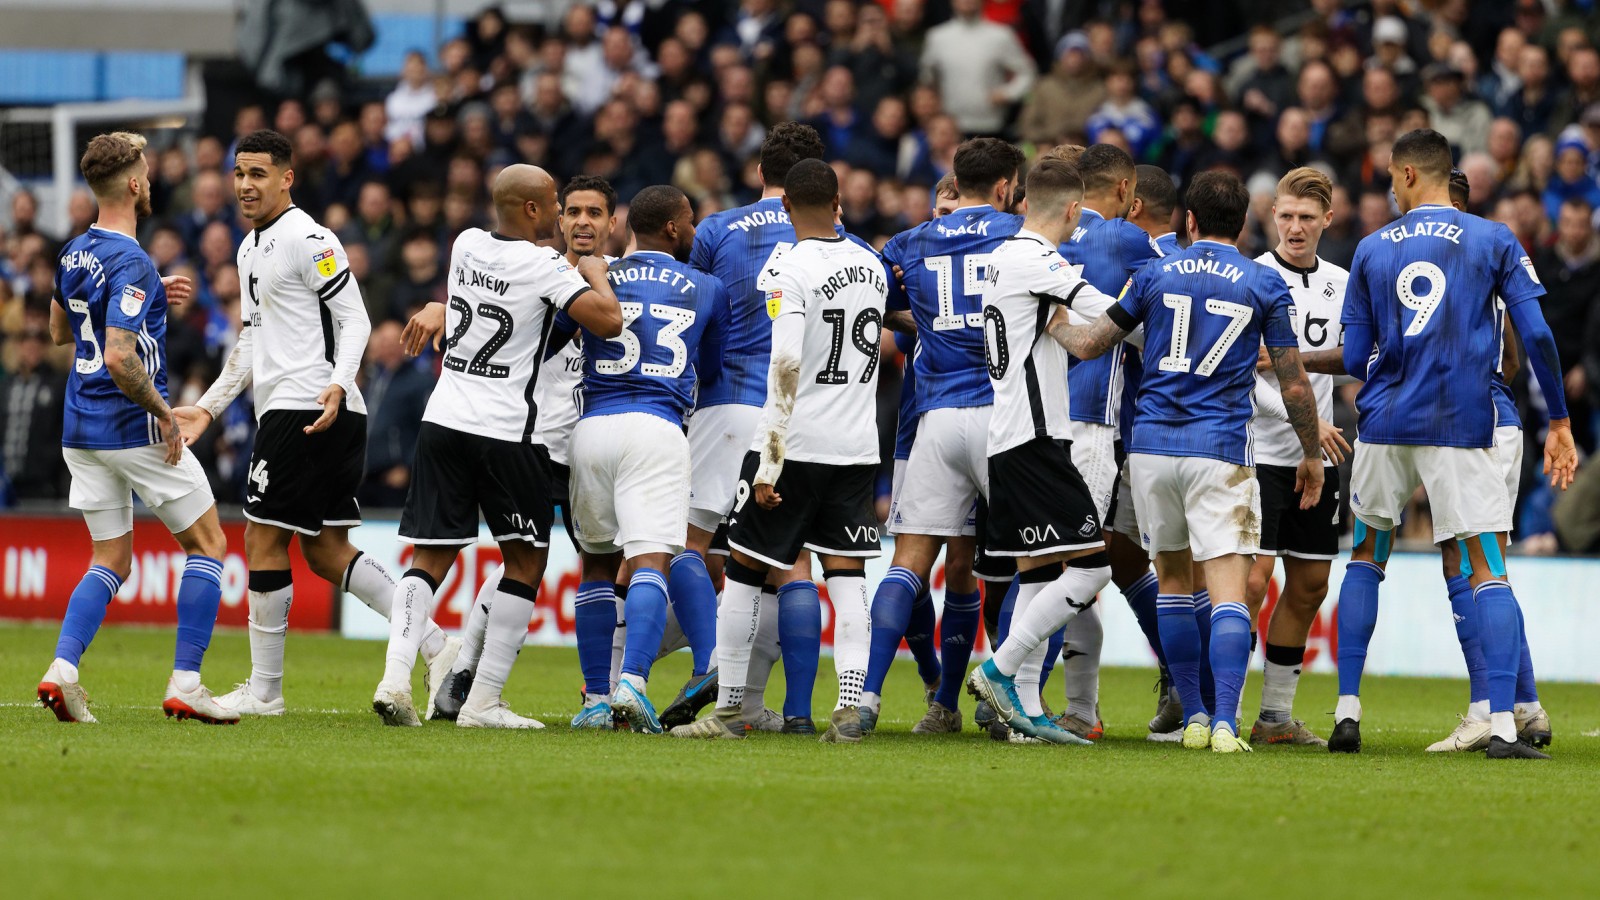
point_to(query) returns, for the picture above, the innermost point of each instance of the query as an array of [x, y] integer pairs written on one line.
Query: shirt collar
[[110, 233]]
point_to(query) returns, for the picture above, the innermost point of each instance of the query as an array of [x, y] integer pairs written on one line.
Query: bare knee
[[204, 537], [116, 555]]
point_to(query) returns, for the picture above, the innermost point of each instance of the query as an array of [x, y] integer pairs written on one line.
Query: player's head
[[1419, 163], [1109, 178], [1064, 152], [662, 219], [1055, 190], [786, 144], [811, 193], [1302, 208], [116, 170], [945, 196], [1218, 201], [1460, 189], [588, 214], [986, 171], [1154, 199], [525, 202], [263, 173]]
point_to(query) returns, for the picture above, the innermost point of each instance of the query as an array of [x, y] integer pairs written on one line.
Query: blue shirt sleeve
[[715, 311], [561, 331], [700, 255], [132, 286], [897, 298], [1357, 302], [1136, 247], [1515, 280], [1129, 310], [1275, 305]]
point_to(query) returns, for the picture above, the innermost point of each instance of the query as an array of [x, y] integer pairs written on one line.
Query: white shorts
[[895, 484], [1094, 455], [719, 437], [947, 472], [1207, 506], [1466, 487], [629, 484], [1126, 521], [104, 481], [1508, 444]]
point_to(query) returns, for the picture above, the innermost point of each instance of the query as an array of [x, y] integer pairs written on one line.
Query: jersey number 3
[[674, 321]]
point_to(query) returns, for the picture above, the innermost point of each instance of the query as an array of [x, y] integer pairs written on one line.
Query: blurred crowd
[[682, 91]]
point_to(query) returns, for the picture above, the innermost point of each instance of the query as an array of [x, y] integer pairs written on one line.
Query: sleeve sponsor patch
[[132, 300], [774, 301], [1124, 292], [326, 264], [1528, 265]]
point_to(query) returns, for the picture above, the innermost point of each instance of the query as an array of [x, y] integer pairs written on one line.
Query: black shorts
[[987, 566], [304, 481], [456, 474], [826, 509], [1288, 530], [560, 498], [1038, 503]]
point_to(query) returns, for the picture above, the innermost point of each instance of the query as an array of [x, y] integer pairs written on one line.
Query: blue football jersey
[[104, 278], [1108, 252], [1133, 358], [1426, 286], [905, 431], [1206, 312], [674, 322], [1167, 244], [944, 265]]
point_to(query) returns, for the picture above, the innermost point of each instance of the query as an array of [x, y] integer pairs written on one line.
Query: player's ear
[[787, 208], [288, 178]]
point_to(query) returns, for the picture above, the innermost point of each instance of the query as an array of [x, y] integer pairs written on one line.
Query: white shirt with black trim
[[504, 293], [305, 323], [1318, 294]]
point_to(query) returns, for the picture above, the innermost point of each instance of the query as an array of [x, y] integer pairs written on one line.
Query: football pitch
[[327, 802]]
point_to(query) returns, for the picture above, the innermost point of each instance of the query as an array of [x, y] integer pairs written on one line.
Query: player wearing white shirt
[[480, 447], [305, 330], [807, 483]]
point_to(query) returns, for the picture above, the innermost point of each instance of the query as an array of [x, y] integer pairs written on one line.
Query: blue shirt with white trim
[[1108, 252]]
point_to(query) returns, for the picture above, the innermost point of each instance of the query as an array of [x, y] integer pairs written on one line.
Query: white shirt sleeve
[[326, 270]]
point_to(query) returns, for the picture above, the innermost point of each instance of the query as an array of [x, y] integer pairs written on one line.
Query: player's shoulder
[[1331, 272]]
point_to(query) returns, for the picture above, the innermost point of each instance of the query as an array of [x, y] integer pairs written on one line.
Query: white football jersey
[[1318, 295], [297, 287], [839, 287], [504, 293], [1027, 278], [560, 380]]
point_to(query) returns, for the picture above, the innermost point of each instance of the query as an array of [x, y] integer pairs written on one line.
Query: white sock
[[1478, 711], [477, 623], [1524, 709], [185, 680], [764, 654], [1027, 679], [852, 634], [69, 672], [737, 621], [638, 681], [509, 616], [1278, 686], [1053, 606], [373, 585], [1503, 725], [269, 628], [413, 602], [1009, 655], [871, 701], [1080, 667], [619, 638], [1348, 707]]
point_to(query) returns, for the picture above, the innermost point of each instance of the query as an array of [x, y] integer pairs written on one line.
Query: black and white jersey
[[1318, 294], [556, 396], [839, 287], [1027, 368], [307, 327], [504, 293]]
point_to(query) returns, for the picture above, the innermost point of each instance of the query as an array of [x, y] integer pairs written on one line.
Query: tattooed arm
[[1086, 341], [130, 376], [1301, 403]]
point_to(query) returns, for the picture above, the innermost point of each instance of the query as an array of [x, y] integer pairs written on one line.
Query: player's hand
[[767, 496], [899, 274], [173, 437], [192, 422], [180, 289], [330, 398], [1331, 437], [1264, 360], [1560, 454], [427, 325], [1308, 482], [592, 267]]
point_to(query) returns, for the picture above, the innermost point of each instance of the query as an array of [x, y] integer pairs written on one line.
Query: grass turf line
[[326, 801]]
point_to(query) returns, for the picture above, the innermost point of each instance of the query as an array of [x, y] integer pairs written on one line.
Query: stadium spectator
[[32, 398], [1571, 179], [1499, 80], [1569, 269], [980, 68], [210, 205], [881, 65], [839, 123], [1463, 120], [1582, 87], [1134, 119], [1533, 105], [1063, 100], [396, 391]]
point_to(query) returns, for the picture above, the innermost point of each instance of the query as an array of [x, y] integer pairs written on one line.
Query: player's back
[[669, 310], [1205, 311], [1107, 252], [1427, 285], [105, 278], [944, 266], [734, 246]]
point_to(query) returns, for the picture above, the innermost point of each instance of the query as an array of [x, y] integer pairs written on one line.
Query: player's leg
[[1500, 631], [593, 521], [271, 588], [1533, 723], [1200, 604], [852, 625], [199, 597], [595, 615], [1131, 573], [1229, 645], [507, 629], [764, 655], [1094, 454], [1305, 588], [958, 634], [800, 643], [646, 613], [412, 606], [1472, 732], [920, 637], [1180, 639], [458, 682], [892, 603]]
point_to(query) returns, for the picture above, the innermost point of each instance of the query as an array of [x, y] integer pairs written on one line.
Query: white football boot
[[499, 715], [198, 705], [67, 699], [393, 704], [1470, 734], [245, 703]]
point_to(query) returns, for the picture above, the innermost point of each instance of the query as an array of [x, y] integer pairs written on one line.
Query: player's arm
[[1269, 403], [1510, 359], [128, 372], [563, 331], [1093, 340], [788, 334], [1324, 362], [1299, 401], [340, 294], [897, 305], [716, 312], [1560, 453], [596, 309], [425, 327], [231, 382], [60, 324]]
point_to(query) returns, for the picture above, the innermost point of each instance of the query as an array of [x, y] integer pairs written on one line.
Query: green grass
[[326, 802]]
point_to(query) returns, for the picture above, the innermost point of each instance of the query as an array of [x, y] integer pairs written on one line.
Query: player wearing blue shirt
[[120, 436], [1205, 312], [1422, 328], [943, 269]]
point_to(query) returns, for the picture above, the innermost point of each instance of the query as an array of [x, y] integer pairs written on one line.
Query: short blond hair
[[946, 188], [1067, 153], [1309, 184], [108, 158]]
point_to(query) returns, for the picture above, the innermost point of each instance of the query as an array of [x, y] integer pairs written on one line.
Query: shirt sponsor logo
[[132, 299], [326, 264]]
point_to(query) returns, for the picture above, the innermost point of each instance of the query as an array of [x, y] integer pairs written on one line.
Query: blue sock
[[595, 620], [199, 595], [1500, 632], [1180, 638], [1008, 605], [645, 611], [1230, 657], [919, 637], [1527, 689], [800, 642], [958, 632], [1051, 654], [694, 602], [1465, 612], [1358, 616], [891, 614], [1202, 623], [85, 611], [1141, 597]]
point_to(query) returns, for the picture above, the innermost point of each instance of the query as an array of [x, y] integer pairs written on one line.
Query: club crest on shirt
[[326, 264], [774, 300], [132, 299]]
